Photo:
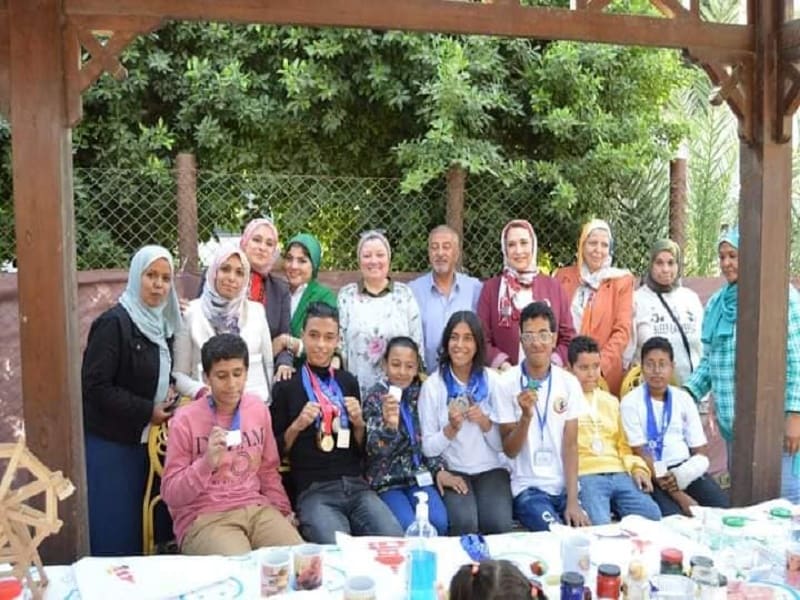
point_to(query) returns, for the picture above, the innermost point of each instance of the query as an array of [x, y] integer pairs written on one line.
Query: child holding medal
[[610, 476], [396, 466], [664, 428], [454, 411], [221, 480], [318, 424]]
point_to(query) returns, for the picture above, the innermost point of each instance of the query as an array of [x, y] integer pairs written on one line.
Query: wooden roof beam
[[503, 19]]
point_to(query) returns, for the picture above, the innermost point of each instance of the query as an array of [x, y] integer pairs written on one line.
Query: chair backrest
[[632, 379], [157, 446]]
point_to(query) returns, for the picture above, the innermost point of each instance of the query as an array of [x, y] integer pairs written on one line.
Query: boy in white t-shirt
[[664, 428], [537, 410]]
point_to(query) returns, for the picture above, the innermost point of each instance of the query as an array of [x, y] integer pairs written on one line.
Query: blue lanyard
[[525, 382], [236, 421], [655, 437], [477, 389], [330, 390], [408, 422]]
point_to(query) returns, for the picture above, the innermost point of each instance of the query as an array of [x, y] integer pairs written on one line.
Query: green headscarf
[[315, 291], [657, 248], [312, 247]]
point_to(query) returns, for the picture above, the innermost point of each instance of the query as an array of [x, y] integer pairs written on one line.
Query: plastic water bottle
[[421, 557]]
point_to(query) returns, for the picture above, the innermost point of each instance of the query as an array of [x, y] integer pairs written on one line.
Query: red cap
[[10, 589], [672, 555]]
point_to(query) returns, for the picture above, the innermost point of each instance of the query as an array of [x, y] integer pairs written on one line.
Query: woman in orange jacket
[[601, 298]]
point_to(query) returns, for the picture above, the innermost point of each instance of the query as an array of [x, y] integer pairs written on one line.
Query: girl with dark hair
[[396, 467], [454, 409], [493, 580]]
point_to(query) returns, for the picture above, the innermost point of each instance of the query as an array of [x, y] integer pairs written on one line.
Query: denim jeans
[[485, 508], [537, 509], [403, 504], [601, 493], [790, 483], [346, 504]]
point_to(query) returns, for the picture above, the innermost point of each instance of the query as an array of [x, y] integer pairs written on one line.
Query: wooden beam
[[45, 230], [436, 15], [765, 220]]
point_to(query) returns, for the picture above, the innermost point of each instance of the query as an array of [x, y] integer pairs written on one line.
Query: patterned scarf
[[221, 312], [512, 281]]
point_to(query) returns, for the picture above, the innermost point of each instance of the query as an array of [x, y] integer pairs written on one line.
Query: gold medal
[[326, 442]]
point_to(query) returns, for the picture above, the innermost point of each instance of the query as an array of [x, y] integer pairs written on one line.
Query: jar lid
[[781, 512], [609, 570], [572, 578], [672, 555], [734, 521], [10, 588], [701, 561]]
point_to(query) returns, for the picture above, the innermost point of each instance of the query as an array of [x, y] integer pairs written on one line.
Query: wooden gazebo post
[[45, 227]]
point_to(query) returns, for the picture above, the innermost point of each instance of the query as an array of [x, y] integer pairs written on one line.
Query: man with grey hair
[[443, 290]]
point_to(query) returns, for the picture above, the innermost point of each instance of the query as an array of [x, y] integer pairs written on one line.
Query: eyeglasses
[[543, 337]]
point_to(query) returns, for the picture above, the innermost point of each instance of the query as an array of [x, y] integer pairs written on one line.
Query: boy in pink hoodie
[[221, 480]]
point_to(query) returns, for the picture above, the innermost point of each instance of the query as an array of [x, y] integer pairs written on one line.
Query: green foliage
[[578, 123]]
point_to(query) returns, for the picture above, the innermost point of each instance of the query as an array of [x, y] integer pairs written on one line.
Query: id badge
[[543, 458], [343, 439], [424, 478], [233, 438], [660, 468]]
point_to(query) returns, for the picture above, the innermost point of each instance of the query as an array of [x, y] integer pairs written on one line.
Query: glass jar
[[671, 562], [609, 581], [571, 586]]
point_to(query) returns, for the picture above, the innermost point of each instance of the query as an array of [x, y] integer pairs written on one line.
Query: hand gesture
[[685, 501], [162, 411], [216, 446], [455, 418], [575, 516], [445, 479], [353, 407], [307, 416], [476, 415], [390, 408], [283, 373], [668, 483], [643, 481], [527, 400]]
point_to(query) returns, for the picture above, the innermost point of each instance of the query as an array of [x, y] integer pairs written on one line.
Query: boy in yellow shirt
[[610, 476]]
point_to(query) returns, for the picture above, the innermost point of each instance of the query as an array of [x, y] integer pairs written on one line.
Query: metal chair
[[156, 452]]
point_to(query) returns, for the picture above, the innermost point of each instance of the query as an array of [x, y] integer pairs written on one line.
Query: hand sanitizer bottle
[[421, 562]]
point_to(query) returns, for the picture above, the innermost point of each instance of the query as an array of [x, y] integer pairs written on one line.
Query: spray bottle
[[421, 560]]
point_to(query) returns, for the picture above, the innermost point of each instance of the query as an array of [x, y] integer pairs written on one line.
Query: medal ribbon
[[311, 384], [477, 389], [526, 382], [408, 423], [655, 436], [236, 421]]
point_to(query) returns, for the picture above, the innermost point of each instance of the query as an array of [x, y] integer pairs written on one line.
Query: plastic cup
[[275, 571], [576, 554], [360, 587], [308, 567]]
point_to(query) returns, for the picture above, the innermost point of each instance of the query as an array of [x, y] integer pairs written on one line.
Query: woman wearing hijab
[[601, 297], [260, 243], [373, 311], [223, 307], [126, 388], [717, 369], [504, 296], [665, 308], [301, 262]]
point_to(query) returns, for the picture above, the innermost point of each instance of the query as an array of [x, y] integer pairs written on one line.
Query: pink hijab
[[248, 234]]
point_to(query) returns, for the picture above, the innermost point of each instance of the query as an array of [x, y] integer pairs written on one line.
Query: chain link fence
[[118, 211]]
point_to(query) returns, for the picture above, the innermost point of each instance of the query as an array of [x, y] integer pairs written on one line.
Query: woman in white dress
[[223, 307]]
